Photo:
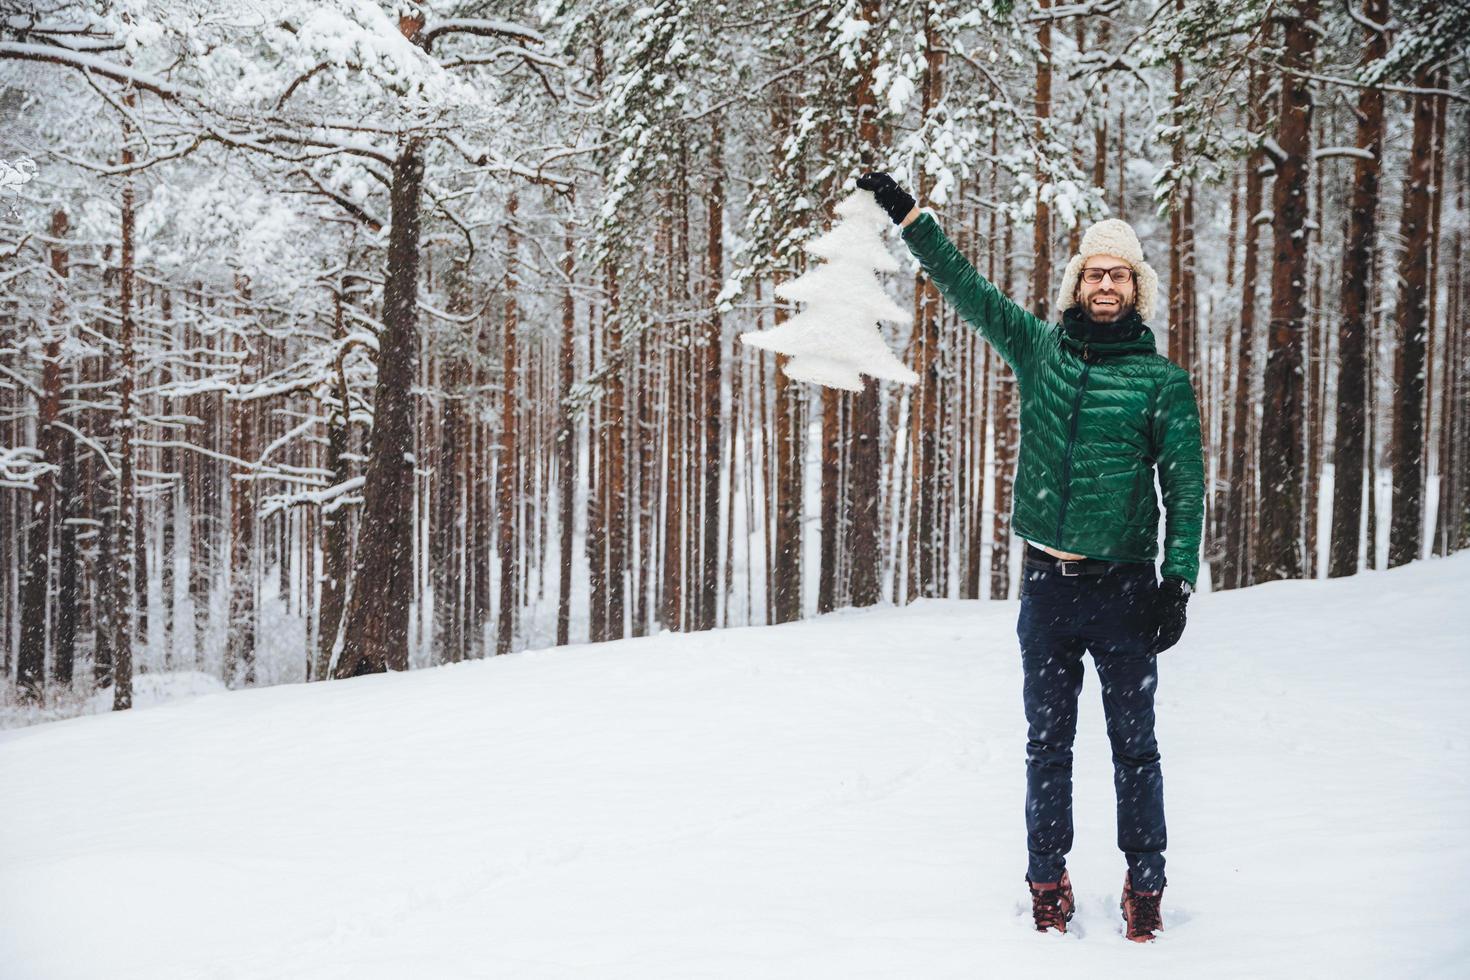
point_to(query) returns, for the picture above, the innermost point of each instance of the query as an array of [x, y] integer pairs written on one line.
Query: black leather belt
[[1036, 558]]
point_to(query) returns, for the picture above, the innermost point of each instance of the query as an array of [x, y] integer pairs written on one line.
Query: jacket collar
[[1126, 336]]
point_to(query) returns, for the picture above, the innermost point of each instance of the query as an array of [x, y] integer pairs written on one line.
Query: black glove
[[891, 198], [1169, 602]]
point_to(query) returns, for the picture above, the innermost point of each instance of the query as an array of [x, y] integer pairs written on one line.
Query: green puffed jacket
[[1095, 420]]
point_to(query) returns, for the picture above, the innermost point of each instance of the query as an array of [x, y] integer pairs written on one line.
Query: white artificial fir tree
[[835, 339]]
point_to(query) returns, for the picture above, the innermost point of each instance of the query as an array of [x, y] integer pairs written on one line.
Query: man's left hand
[[890, 197], [1169, 603]]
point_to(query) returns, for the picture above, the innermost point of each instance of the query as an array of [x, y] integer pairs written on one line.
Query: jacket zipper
[[1071, 439]]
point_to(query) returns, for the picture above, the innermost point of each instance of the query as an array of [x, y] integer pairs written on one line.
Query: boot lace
[[1146, 913], [1046, 909]]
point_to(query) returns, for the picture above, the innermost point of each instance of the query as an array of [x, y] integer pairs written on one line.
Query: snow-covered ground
[[833, 798]]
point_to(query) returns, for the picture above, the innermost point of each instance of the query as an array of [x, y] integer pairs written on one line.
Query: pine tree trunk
[[981, 352], [737, 395], [597, 497], [1220, 532], [141, 579], [69, 587], [1370, 420], [204, 509], [35, 583], [1451, 526], [447, 551], [1353, 328], [1235, 570], [1445, 511], [866, 472], [123, 581], [645, 465], [507, 489], [376, 638], [240, 641], [671, 592], [1461, 323], [671, 589], [1181, 298], [334, 523], [566, 447], [785, 582], [689, 460], [168, 566], [1406, 524], [831, 474], [104, 584], [1316, 349], [1431, 277], [710, 559], [615, 468], [1278, 552], [1437, 324], [925, 396]]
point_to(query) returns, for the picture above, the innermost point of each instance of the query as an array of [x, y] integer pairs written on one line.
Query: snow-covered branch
[[20, 466], [486, 158], [19, 50], [1352, 11], [482, 28], [1451, 94], [328, 498], [1069, 10], [426, 305], [1327, 152], [97, 448], [21, 380], [504, 51]]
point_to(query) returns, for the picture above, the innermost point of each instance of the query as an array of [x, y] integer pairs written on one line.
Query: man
[[1100, 410]]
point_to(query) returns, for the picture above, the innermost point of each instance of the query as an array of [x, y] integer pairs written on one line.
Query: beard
[[1107, 307]]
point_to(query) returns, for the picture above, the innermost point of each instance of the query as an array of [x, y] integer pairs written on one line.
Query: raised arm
[[1176, 437], [1013, 331]]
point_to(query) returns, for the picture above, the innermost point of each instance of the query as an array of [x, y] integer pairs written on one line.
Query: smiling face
[[1106, 301]]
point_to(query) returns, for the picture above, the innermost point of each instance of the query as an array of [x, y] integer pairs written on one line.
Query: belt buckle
[[1066, 573]]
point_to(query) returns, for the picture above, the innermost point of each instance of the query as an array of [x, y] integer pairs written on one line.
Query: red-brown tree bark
[[30, 661], [376, 638], [1278, 550], [1406, 526], [1353, 328]]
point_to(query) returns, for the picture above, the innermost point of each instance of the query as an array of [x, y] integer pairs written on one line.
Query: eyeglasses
[[1119, 274]]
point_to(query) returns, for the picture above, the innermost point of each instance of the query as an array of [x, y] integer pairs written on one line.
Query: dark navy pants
[[1108, 615]]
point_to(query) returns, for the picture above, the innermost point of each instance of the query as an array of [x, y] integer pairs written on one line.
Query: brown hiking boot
[[1051, 903], [1141, 916]]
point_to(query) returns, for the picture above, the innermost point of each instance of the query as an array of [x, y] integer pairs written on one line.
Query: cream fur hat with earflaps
[[1112, 236]]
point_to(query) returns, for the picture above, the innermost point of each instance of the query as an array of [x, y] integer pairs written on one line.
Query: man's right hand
[[891, 198]]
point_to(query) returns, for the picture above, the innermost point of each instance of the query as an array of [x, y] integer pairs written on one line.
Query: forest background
[[342, 337]]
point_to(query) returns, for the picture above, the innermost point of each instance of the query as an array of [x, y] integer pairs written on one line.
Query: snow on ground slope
[[834, 798]]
